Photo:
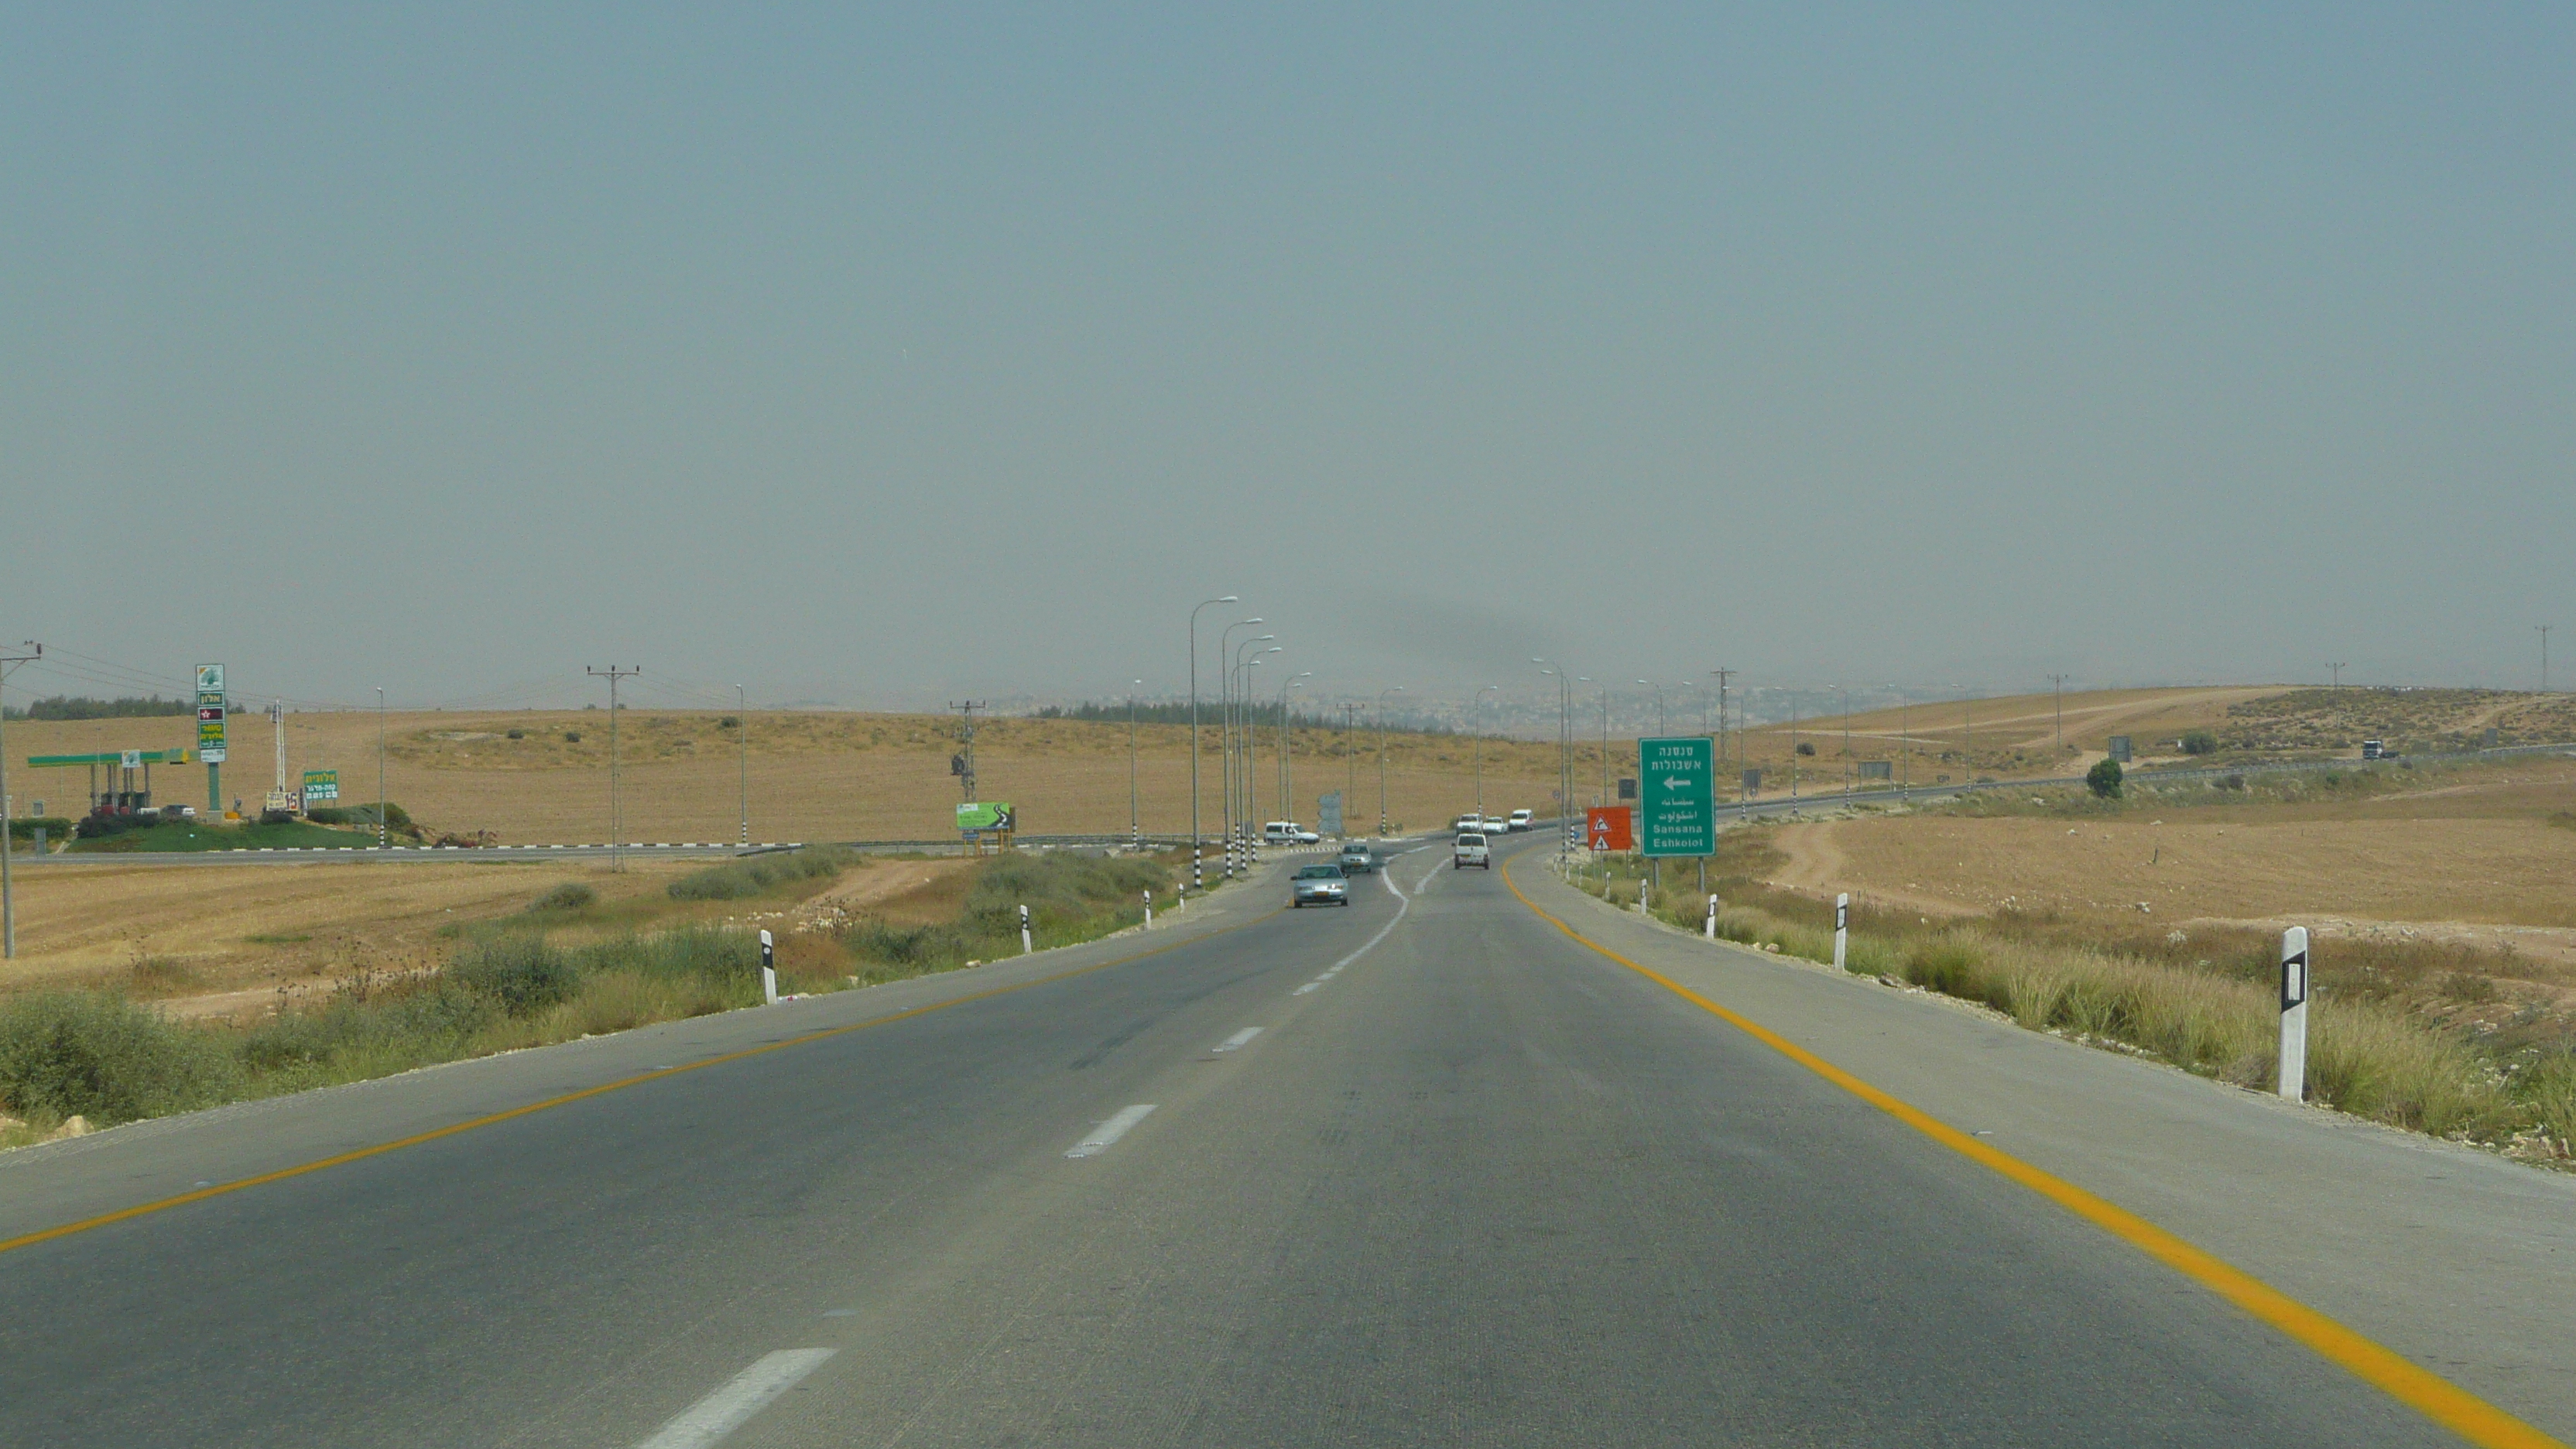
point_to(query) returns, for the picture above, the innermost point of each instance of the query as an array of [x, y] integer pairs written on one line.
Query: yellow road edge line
[[65, 1230], [2383, 1368]]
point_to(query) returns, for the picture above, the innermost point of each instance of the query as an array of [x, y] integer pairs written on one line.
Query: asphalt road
[[1419, 1171]]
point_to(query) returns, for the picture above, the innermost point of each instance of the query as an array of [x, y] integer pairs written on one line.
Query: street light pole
[[1847, 754], [381, 840], [1564, 757], [2059, 681], [2544, 656], [1480, 748], [1287, 806], [1135, 824], [742, 726], [1245, 712], [1225, 731], [1381, 753], [1195, 848]]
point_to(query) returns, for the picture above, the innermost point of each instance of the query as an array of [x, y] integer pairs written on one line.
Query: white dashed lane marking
[[1238, 1039], [745, 1394], [1110, 1131]]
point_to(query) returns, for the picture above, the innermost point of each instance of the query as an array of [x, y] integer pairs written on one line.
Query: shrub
[[2199, 742], [98, 1056], [523, 975], [572, 737], [696, 951], [518, 734], [570, 896], [1806, 747], [729, 722], [2104, 779], [754, 874]]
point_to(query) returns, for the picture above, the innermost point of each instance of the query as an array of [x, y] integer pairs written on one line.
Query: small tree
[[2104, 779], [2199, 742]]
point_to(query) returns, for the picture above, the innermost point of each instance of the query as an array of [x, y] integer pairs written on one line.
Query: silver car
[[1319, 885]]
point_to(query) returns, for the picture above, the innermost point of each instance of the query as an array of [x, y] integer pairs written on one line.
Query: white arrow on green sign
[[1680, 814]]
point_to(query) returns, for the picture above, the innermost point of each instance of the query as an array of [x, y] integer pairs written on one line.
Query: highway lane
[[1466, 1183]]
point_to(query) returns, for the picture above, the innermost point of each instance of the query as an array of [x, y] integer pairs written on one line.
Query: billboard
[[1328, 813], [321, 785], [977, 815], [1610, 827]]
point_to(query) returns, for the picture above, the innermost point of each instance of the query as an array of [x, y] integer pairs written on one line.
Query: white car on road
[[1471, 850], [1524, 819]]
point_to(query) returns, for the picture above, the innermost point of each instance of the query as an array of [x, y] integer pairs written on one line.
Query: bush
[[56, 827], [522, 975], [518, 734], [1806, 747], [2104, 779], [2199, 742], [572, 737], [570, 896], [697, 951], [102, 1057], [751, 875]]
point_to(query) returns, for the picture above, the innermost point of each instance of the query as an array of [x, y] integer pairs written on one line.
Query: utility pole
[[1351, 769], [2058, 681], [616, 802], [1381, 753], [963, 766], [742, 725], [1135, 827], [8, 810], [383, 837], [277, 737], [1722, 676], [2544, 656], [2334, 673], [1480, 749], [1847, 754]]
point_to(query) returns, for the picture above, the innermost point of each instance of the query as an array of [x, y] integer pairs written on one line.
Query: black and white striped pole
[[2294, 1013], [1025, 945], [1149, 908], [768, 970], [1711, 928], [1842, 928]]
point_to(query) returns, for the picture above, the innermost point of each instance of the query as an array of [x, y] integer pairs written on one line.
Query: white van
[[1471, 850], [1288, 832]]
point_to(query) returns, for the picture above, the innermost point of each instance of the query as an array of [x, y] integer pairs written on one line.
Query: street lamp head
[[1228, 599]]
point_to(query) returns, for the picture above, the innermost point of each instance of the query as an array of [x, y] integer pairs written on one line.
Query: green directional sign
[[1676, 785]]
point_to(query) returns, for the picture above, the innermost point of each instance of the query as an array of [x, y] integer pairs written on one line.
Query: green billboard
[[1677, 780], [977, 815]]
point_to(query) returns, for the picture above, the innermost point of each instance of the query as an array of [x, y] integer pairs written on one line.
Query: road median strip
[[2436, 1398]]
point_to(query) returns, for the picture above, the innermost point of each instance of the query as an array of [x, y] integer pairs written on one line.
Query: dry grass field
[[2477, 855], [1939, 740], [812, 776]]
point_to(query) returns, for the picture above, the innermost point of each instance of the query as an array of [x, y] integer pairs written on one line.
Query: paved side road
[[1426, 1170]]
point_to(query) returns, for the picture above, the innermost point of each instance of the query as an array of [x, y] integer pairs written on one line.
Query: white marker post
[[2294, 1013], [768, 970], [1641, 898], [1149, 908], [1712, 918], [1842, 928], [1025, 947]]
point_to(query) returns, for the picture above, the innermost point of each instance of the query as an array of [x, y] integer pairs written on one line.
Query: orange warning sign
[[1610, 827]]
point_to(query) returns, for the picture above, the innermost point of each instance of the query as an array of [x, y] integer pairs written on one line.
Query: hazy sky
[[879, 357]]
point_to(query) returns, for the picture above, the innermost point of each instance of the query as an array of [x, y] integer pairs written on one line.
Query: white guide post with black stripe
[[1025, 944], [1842, 928], [768, 969], [2294, 1013], [1711, 928]]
